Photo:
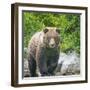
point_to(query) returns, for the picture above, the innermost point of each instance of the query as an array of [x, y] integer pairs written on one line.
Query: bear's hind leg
[[32, 66]]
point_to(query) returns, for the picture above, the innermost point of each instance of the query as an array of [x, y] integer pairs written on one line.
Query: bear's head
[[51, 37]]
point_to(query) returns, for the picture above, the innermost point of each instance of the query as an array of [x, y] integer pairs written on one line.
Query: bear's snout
[[52, 43]]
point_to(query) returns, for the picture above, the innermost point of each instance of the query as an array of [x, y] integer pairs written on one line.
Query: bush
[[69, 24]]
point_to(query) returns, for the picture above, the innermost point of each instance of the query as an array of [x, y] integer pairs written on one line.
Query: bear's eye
[[48, 38], [56, 38]]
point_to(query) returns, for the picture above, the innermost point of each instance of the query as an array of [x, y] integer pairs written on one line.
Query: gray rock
[[26, 69], [25, 52], [68, 64]]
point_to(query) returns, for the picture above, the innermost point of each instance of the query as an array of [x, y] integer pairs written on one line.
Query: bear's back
[[36, 40]]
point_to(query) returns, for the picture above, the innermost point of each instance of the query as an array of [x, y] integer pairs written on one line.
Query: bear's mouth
[[52, 46]]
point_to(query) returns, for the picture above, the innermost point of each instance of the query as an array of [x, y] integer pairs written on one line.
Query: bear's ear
[[45, 30], [58, 31]]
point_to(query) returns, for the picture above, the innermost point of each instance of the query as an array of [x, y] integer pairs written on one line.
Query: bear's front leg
[[41, 62]]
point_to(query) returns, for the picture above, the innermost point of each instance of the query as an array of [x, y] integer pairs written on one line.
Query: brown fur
[[43, 52]]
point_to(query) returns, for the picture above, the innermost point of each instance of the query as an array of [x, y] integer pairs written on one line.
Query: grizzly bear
[[43, 52]]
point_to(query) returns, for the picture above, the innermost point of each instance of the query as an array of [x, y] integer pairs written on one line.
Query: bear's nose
[[52, 45]]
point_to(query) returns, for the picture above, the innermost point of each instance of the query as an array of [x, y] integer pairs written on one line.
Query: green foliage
[[69, 24]]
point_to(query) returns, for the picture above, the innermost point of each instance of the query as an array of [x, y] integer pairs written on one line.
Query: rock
[[25, 52], [68, 64], [26, 69]]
